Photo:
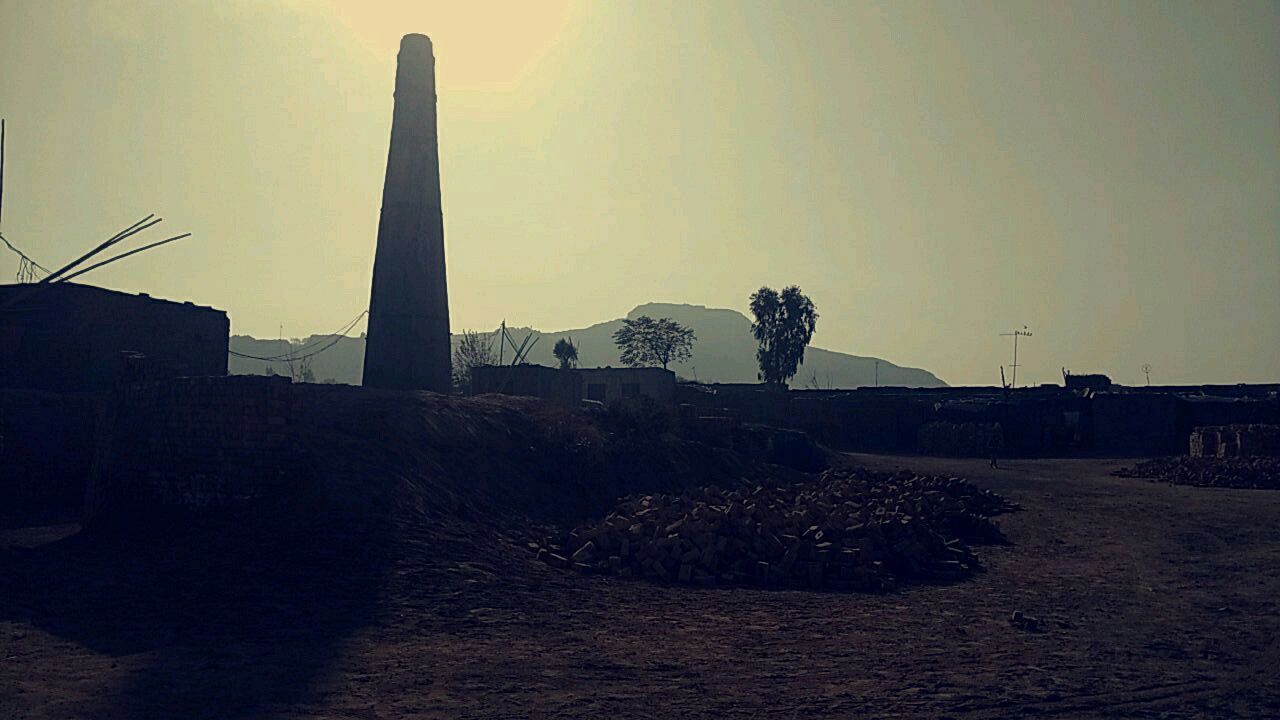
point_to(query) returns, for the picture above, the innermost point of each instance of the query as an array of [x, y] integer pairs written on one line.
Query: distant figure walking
[[993, 446]]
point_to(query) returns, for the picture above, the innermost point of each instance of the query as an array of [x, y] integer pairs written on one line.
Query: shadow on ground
[[208, 623]]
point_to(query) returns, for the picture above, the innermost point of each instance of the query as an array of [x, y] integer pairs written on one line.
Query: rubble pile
[[847, 529], [1227, 472]]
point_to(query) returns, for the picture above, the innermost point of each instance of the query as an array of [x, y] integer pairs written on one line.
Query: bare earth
[[1152, 601]]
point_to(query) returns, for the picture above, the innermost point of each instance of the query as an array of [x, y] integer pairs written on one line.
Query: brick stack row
[[1235, 441]]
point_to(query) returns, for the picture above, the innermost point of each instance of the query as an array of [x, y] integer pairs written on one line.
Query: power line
[[329, 341], [27, 267]]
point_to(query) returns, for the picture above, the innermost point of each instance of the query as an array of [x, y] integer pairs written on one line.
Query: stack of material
[[1230, 472], [946, 439], [849, 529], [1235, 441]]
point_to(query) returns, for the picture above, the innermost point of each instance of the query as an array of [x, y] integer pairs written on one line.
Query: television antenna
[[1146, 370], [1024, 332]]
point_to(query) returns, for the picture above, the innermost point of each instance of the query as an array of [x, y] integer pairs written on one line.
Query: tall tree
[[566, 352], [475, 349], [645, 342], [783, 325]]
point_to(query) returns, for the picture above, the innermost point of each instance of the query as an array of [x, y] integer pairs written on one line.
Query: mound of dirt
[[847, 529], [1229, 472], [329, 459]]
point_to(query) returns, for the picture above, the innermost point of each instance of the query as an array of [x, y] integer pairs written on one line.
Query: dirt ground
[[1151, 601]]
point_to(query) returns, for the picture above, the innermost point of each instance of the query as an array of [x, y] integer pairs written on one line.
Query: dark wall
[[529, 380], [192, 443], [1137, 424], [46, 449], [74, 338]]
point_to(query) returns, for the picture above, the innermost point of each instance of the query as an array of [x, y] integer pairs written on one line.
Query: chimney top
[[415, 41]]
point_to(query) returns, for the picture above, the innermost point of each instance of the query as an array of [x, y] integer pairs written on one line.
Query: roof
[[64, 289]]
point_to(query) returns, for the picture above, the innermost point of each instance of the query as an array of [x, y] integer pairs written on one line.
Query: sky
[[931, 174]]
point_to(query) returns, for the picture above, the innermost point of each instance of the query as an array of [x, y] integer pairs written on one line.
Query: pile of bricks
[[848, 529], [1228, 472], [1235, 441]]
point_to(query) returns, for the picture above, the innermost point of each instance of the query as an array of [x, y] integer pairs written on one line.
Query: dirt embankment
[[383, 495]]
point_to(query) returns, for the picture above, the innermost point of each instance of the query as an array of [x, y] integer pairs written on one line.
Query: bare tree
[[475, 349], [299, 365]]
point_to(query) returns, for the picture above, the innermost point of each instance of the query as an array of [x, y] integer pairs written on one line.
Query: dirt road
[[1145, 601]]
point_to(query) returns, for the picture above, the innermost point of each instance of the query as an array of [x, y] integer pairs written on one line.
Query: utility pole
[[1016, 334], [877, 373]]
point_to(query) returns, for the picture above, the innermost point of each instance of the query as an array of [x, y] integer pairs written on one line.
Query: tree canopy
[[783, 325], [566, 352], [646, 342]]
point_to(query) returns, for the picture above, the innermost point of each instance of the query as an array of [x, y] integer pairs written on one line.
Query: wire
[[26, 266], [329, 341]]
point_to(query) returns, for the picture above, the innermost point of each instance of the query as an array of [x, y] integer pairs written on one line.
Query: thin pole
[[1, 171], [131, 230], [1016, 333], [108, 261], [1015, 359]]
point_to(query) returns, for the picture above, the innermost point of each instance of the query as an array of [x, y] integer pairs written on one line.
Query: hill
[[724, 352]]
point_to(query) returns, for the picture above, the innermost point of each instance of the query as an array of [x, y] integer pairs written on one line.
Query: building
[[1046, 421], [606, 385], [65, 337]]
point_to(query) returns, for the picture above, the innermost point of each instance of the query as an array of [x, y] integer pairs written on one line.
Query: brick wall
[[1137, 424], [194, 443], [46, 448]]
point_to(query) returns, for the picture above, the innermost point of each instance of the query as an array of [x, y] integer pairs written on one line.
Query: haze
[[930, 174]]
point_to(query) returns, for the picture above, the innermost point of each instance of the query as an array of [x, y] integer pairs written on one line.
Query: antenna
[[1016, 334], [1146, 370], [1, 167]]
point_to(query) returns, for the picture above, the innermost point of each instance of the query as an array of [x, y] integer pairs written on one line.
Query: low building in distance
[[65, 337]]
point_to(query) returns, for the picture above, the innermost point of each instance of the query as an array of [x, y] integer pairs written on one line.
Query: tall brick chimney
[[407, 347]]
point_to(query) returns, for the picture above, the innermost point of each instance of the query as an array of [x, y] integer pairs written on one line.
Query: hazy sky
[[932, 174]]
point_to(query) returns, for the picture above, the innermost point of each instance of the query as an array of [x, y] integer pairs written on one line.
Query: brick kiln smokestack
[[407, 347]]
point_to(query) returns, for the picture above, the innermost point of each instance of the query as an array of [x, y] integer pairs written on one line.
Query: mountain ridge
[[723, 352]]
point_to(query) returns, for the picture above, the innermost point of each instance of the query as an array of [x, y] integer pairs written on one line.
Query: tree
[[783, 325], [299, 365], [566, 352], [475, 349], [645, 342]]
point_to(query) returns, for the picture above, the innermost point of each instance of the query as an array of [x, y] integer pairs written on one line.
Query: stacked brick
[[1228, 472], [1224, 441], [193, 443], [848, 529], [946, 439]]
